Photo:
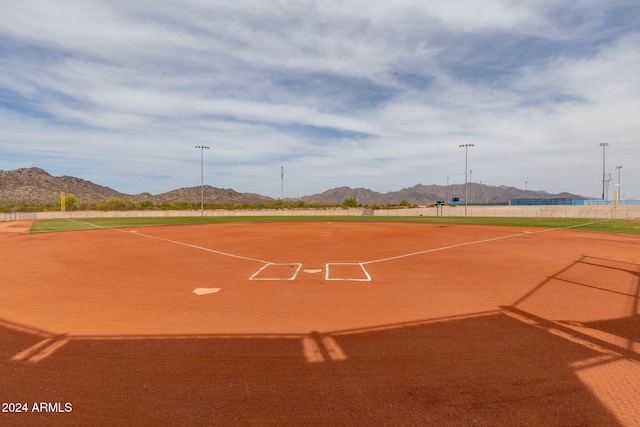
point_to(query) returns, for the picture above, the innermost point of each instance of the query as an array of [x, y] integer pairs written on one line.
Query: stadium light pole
[[202, 148], [447, 190], [471, 185], [604, 146], [466, 187], [619, 182]]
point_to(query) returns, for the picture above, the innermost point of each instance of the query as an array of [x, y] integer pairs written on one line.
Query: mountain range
[[36, 186]]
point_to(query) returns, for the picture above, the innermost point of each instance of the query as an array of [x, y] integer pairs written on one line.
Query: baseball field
[[320, 322]]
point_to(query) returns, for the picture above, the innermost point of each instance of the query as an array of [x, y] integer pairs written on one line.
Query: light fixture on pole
[[466, 187], [202, 148], [604, 146]]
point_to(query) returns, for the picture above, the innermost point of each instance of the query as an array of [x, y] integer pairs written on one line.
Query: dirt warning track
[[321, 324]]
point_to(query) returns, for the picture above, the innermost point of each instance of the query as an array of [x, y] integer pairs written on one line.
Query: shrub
[[350, 203], [146, 204]]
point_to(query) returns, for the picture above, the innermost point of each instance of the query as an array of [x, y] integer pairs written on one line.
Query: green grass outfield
[[612, 226]]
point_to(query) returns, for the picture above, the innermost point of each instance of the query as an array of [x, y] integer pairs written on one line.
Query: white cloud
[[367, 94]]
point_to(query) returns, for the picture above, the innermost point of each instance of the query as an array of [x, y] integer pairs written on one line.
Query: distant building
[[545, 202]]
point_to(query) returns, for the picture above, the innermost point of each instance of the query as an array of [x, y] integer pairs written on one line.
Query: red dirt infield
[[320, 324]]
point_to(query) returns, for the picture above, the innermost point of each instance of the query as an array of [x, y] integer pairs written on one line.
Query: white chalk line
[[362, 264], [253, 277], [203, 248], [493, 239], [295, 273], [137, 233], [350, 279]]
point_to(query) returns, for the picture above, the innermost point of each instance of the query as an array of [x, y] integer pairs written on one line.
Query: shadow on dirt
[[513, 366], [486, 369]]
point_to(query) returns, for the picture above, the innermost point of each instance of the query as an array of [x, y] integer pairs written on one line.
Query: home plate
[[205, 291]]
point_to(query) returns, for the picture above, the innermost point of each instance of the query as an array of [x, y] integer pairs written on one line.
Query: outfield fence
[[562, 211], [18, 216], [587, 211]]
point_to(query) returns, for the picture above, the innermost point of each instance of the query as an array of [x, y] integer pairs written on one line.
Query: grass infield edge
[[62, 224]]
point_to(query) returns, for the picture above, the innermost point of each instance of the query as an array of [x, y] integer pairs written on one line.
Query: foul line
[[362, 264], [175, 242], [476, 242], [202, 248]]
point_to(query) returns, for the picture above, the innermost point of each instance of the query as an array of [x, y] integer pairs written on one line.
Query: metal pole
[[447, 190], [604, 145], [471, 184], [619, 182], [202, 148], [466, 187]]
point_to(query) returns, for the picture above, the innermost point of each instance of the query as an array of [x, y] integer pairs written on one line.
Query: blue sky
[[364, 94]]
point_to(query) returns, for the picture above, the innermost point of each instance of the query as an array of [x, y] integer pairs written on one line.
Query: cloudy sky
[[364, 94]]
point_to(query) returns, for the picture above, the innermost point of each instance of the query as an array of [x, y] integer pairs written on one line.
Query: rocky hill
[[423, 194], [36, 186], [212, 195]]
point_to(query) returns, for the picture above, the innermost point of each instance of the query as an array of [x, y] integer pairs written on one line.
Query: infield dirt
[[456, 325]]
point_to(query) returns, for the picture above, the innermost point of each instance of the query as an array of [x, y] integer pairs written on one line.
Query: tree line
[[126, 203]]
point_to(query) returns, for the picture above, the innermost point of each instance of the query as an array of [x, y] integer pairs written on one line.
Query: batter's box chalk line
[[347, 271], [277, 271]]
